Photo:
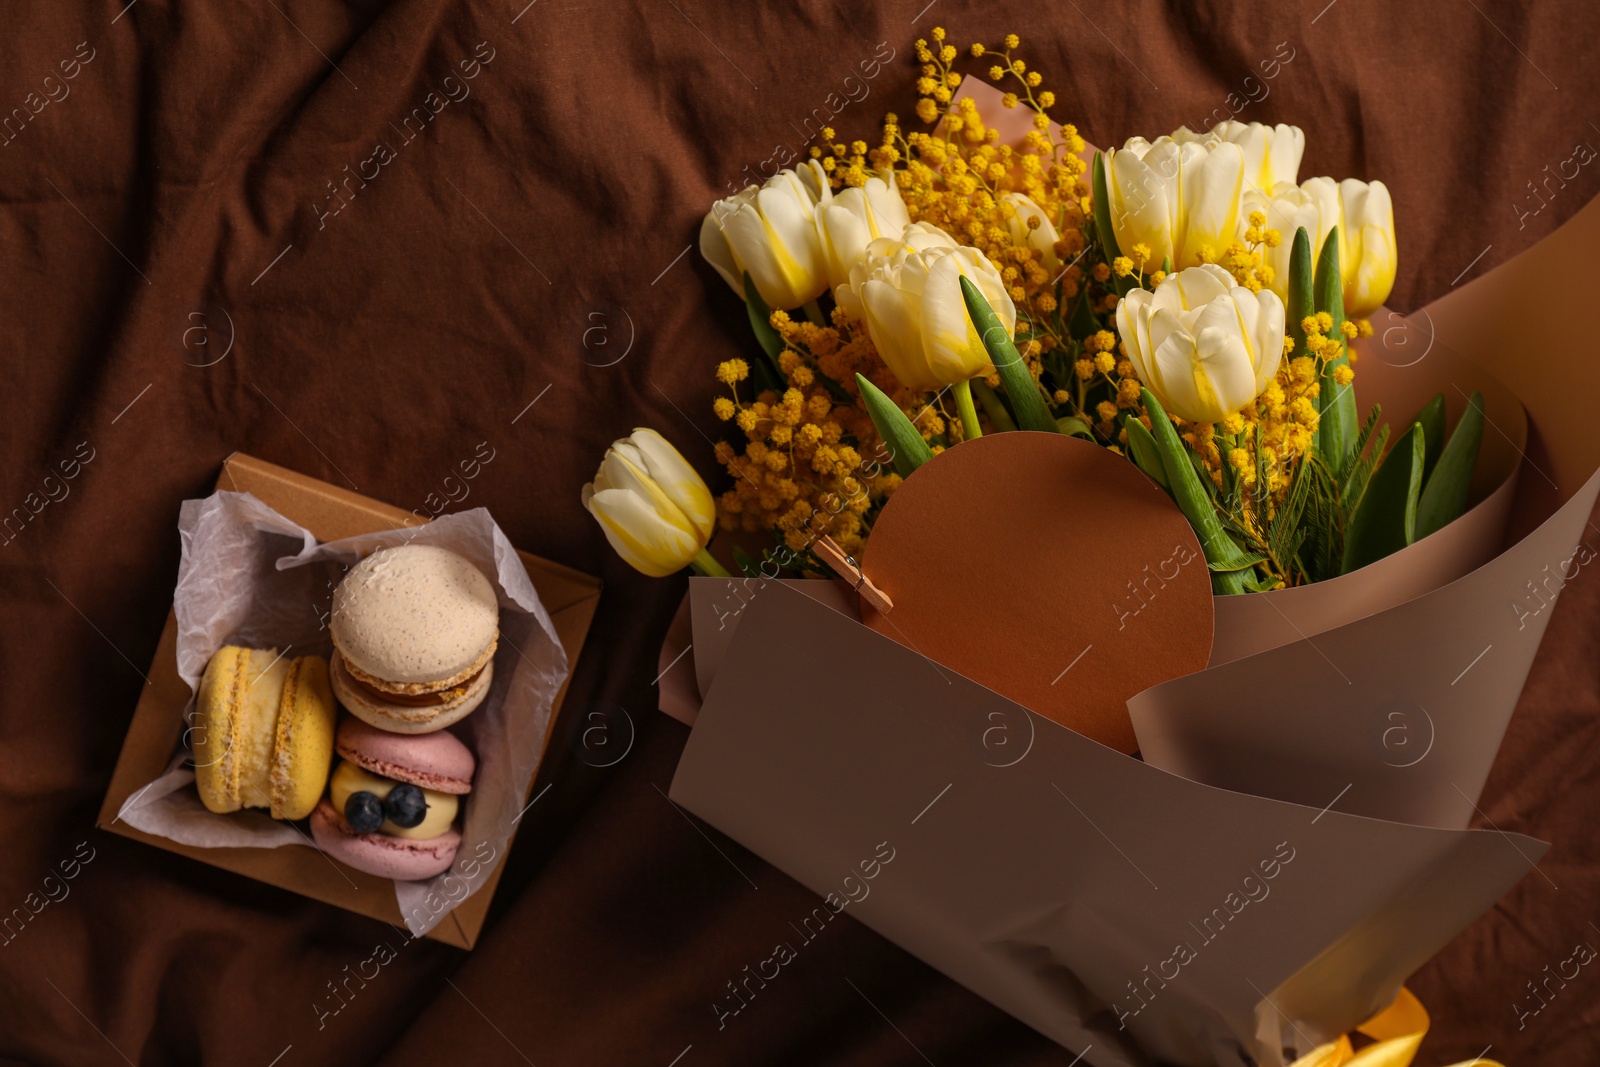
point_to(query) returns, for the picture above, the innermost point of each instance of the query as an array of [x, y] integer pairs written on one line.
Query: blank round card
[[1048, 569]]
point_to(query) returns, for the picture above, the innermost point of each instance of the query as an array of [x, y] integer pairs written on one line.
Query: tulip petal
[[1211, 183], [624, 470], [791, 238], [888, 209], [680, 482], [714, 248], [894, 326], [639, 535], [1224, 370], [952, 347], [1141, 208], [844, 235], [1133, 324], [1193, 288], [1176, 371]]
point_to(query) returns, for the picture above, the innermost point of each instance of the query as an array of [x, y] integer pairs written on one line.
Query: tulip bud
[[655, 510], [1175, 198], [854, 219], [909, 293], [771, 231], [1204, 345]]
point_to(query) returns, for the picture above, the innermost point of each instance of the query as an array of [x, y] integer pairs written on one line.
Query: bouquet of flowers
[[1180, 323], [1160, 300]]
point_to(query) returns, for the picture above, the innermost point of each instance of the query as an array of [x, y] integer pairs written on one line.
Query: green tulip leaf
[[1336, 429], [761, 321], [1183, 481], [1432, 419], [1444, 497], [1102, 210], [1142, 447], [1385, 521], [1301, 302], [906, 445], [1031, 411]]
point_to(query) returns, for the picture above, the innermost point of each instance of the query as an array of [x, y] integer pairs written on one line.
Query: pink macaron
[[392, 801], [437, 761]]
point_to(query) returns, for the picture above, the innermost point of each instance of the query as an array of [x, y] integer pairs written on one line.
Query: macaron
[[263, 732], [415, 628], [392, 801], [302, 752]]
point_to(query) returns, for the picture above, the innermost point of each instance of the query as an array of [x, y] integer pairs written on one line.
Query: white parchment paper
[[248, 576]]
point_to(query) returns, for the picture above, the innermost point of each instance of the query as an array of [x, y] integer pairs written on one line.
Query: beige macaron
[[416, 627]]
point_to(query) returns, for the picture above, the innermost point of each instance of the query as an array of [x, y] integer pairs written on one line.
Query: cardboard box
[[330, 513]]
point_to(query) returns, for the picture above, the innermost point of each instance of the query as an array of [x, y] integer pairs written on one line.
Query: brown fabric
[[522, 247]]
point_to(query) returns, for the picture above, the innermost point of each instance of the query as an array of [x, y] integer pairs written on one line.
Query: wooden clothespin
[[830, 553]]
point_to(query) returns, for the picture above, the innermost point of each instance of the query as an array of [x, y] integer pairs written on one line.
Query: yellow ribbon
[[1396, 1032]]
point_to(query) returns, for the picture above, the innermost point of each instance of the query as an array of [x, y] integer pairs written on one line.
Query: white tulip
[[1313, 206], [654, 508], [917, 237], [1204, 345], [1175, 198], [771, 231], [909, 293], [1041, 238], [854, 219], [1364, 214], [1271, 153]]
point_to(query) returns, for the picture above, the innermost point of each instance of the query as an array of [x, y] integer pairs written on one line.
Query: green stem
[[999, 417], [704, 564], [969, 414], [813, 312]]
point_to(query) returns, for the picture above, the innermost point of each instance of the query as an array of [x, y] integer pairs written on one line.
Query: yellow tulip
[[1203, 344], [909, 293], [655, 510], [1177, 198], [770, 231]]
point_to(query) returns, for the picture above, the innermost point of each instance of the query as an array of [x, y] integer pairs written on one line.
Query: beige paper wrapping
[[1405, 708], [1054, 876]]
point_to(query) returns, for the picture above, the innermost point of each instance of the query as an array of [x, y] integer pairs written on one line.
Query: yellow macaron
[[263, 735], [304, 749]]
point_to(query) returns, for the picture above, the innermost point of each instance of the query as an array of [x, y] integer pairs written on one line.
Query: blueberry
[[405, 805], [364, 812]]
